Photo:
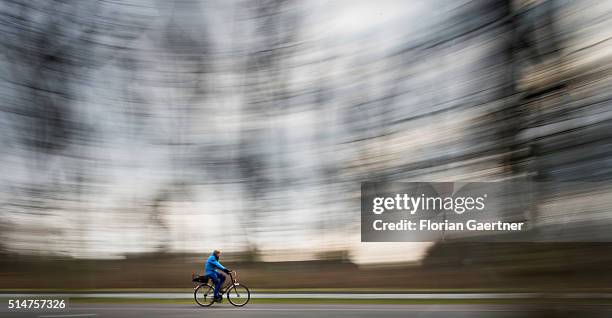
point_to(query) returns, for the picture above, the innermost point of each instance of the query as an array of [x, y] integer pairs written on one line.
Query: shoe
[[219, 299]]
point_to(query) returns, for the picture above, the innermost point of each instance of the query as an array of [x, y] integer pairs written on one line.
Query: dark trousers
[[218, 280]]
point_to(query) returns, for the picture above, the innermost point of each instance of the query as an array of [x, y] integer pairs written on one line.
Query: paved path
[[318, 311]]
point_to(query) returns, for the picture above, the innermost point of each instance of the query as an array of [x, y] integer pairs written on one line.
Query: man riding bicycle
[[212, 264]]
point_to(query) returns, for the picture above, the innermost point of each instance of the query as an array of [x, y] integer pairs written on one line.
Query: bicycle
[[204, 295]]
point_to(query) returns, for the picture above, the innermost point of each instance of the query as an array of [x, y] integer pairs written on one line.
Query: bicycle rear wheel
[[238, 295], [204, 295]]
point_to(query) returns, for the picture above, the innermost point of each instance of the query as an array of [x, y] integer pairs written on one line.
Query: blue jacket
[[212, 264]]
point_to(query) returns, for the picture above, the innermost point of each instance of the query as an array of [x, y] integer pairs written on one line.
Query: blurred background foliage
[[138, 134]]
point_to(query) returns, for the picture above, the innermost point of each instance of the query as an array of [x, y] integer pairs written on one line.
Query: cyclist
[[212, 264]]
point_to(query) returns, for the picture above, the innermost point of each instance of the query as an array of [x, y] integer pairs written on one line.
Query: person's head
[[217, 253]]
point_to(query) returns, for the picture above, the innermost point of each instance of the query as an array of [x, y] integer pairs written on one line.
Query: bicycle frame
[[226, 285], [239, 298]]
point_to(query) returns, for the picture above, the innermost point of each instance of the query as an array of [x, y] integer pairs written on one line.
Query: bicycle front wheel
[[204, 295], [238, 295]]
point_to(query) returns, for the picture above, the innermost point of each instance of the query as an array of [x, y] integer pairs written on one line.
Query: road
[[318, 311]]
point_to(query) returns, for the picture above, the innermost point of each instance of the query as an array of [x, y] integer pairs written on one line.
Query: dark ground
[[380, 311], [552, 267]]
